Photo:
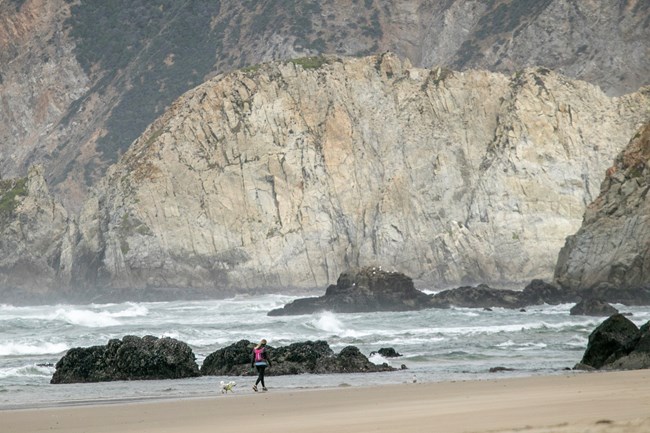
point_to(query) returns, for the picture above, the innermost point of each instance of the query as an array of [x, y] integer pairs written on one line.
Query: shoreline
[[586, 402]]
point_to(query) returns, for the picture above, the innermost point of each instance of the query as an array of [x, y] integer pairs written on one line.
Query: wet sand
[[612, 402]]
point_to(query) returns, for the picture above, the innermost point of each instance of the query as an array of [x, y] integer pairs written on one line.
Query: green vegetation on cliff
[[10, 189]]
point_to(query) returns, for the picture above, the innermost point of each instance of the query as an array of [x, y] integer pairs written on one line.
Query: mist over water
[[436, 344]]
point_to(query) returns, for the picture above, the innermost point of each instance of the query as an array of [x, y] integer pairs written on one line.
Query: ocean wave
[[86, 318], [27, 370], [38, 348], [511, 345]]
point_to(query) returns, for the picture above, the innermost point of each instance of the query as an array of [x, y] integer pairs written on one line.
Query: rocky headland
[[610, 253], [284, 176]]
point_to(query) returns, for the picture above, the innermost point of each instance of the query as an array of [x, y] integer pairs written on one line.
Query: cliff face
[[287, 175], [611, 249], [37, 239], [81, 80]]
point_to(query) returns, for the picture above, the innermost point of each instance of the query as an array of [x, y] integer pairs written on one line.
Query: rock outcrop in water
[[372, 289], [132, 358], [593, 307], [537, 292], [617, 344], [363, 290], [314, 357]]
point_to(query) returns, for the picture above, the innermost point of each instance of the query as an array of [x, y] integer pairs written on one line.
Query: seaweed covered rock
[[132, 358], [314, 357], [233, 360], [639, 357], [614, 338]]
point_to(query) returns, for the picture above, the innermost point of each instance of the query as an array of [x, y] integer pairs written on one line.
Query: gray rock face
[[37, 239], [283, 177], [66, 106], [609, 256], [132, 358], [287, 176]]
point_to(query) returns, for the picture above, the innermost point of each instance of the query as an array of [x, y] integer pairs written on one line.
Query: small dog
[[227, 386]]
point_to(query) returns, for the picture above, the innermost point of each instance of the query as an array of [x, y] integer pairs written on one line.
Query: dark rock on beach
[[363, 290], [617, 343], [593, 307], [132, 358], [314, 357], [233, 360]]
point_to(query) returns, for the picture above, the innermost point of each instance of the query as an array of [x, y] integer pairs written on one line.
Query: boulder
[[614, 338], [539, 292], [233, 360], [639, 357], [593, 307], [314, 357], [387, 352], [132, 358], [362, 290]]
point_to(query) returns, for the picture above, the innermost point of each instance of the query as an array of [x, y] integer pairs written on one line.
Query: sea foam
[[11, 348]]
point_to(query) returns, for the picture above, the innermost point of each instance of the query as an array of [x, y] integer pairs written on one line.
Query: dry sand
[[613, 402]]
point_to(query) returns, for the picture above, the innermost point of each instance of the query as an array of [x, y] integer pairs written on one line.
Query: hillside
[[80, 80]]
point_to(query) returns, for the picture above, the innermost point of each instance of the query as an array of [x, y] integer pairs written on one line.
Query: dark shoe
[[255, 388], [264, 388]]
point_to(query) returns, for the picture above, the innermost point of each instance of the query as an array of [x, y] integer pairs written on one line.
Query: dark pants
[[260, 374]]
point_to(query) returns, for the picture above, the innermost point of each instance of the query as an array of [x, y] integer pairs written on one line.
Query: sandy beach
[[571, 403]]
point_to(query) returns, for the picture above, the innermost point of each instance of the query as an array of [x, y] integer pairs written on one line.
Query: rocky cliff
[[287, 174], [610, 252], [37, 238], [80, 80]]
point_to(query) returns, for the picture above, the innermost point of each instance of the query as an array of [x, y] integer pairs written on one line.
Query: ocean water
[[436, 344]]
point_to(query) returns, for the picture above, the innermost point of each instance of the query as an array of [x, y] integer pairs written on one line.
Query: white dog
[[227, 386]]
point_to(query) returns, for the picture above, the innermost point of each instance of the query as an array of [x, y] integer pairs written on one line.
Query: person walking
[[260, 360]]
